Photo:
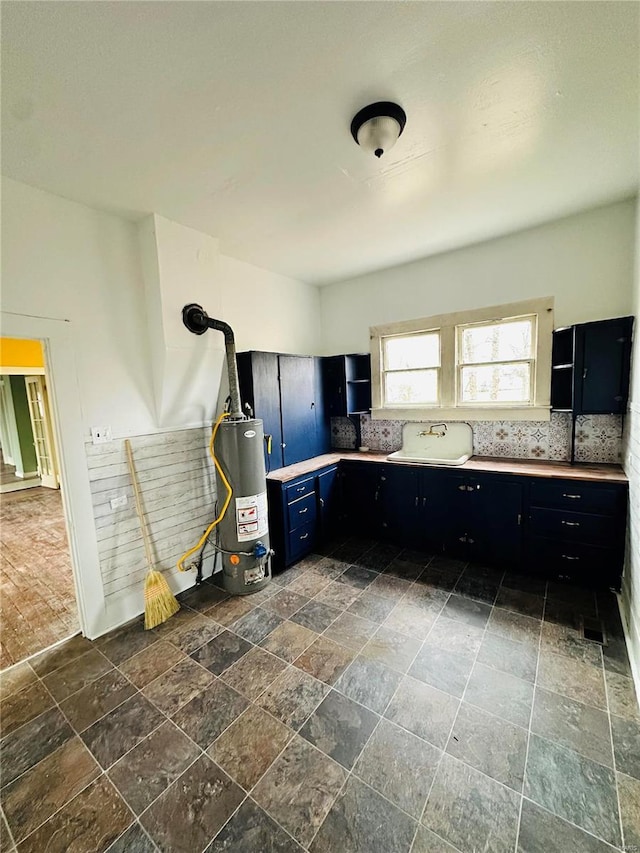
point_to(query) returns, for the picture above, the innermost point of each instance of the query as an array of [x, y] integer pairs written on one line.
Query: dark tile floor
[[369, 701]]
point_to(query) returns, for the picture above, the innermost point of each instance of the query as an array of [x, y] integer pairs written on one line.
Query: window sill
[[438, 413]]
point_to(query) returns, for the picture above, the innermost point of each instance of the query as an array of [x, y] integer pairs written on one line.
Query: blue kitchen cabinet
[[483, 521], [361, 487], [285, 391], [302, 513], [591, 364]]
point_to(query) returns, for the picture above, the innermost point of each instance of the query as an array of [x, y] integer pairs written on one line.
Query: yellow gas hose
[[227, 500]]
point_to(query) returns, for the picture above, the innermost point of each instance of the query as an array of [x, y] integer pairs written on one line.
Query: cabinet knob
[[571, 497], [570, 523], [569, 557]]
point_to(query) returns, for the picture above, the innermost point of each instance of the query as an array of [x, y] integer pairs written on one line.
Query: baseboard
[[632, 639], [27, 475], [19, 486]]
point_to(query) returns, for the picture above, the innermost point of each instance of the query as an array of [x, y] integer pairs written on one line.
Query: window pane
[[407, 351], [411, 387], [499, 383], [496, 342]]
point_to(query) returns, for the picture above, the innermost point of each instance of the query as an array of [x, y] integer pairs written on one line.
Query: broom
[[159, 602]]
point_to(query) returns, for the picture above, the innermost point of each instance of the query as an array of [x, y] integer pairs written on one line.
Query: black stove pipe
[[198, 321]]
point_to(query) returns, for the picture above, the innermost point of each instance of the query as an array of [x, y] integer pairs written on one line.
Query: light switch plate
[[100, 434]]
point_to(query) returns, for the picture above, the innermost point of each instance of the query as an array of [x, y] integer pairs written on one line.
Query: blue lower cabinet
[[507, 521], [302, 513]]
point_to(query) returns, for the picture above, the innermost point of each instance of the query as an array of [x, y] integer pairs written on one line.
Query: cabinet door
[[323, 418], [455, 520], [361, 489], [258, 377], [437, 506], [399, 499], [297, 403], [602, 366], [328, 503], [334, 385], [495, 521]]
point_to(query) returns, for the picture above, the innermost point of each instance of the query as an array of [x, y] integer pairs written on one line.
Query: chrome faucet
[[431, 431]]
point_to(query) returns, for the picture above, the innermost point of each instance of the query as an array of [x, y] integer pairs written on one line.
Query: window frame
[[450, 408], [384, 371]]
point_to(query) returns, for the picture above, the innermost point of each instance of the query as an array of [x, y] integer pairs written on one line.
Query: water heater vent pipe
[[198, 321]]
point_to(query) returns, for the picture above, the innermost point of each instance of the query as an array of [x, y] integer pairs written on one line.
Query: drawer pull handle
[[304, 536], [572, 497], [302, 511], [571, 523], [417, 499], [568, 557], [321, 502], [300, 489]]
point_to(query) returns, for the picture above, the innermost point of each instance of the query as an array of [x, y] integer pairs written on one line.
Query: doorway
[[38, 606]]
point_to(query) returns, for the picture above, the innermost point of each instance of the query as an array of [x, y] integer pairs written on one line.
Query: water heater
[[238, 448]]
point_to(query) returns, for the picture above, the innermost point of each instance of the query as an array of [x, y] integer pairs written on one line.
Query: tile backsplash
[[598, 437]]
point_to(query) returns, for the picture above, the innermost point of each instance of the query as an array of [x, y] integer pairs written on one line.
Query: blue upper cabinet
[[297, 405], [285, 391], [591, 363], [603, 363]]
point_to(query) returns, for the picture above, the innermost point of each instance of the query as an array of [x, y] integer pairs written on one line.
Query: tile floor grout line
[[576, 826], [533, 703], [6, 823], [613, 753], [453, 725], [122, 834], [100, 775], [380, 718]]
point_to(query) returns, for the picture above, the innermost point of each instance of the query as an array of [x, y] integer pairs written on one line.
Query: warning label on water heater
[[251, 517]]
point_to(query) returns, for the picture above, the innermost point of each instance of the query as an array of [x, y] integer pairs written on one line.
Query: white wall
[[585, 261], [63, 261], [631, 580]]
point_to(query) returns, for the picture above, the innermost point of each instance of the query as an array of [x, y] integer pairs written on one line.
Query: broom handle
[[141, 518]]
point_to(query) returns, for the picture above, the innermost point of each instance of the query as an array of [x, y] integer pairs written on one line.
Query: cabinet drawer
[[574, 526], [298, 489], [301, 542], [575, 561], [575, 496], [302, 511]]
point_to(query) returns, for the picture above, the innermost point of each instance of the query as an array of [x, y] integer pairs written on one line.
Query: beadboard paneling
[[177, 483]]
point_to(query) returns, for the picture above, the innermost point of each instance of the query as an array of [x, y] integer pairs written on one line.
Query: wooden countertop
[[599, 473]]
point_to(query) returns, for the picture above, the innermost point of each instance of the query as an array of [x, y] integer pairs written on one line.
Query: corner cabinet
[[285, 391], [347, 387], [302, 513]]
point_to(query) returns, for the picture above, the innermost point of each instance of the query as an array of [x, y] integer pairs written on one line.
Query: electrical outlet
[[101, 434], [118, 503]]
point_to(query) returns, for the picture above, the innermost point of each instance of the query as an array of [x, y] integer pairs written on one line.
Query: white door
[[42, 431]]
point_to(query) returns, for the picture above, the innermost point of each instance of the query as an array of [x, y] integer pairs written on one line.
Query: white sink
[[435, 444], [407, 456]]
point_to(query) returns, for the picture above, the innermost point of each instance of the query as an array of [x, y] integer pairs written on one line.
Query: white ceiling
[[233, 118]]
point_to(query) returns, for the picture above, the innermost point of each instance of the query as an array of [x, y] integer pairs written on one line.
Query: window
[[495, 361], [411, 368], [487, 363]]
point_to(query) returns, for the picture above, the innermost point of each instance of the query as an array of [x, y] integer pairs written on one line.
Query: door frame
[[56, 337]]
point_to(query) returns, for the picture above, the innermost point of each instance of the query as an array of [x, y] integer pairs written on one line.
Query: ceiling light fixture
[[377, 127]]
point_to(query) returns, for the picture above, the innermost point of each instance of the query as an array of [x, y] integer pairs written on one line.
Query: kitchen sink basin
[[408, 456], [435, 444]]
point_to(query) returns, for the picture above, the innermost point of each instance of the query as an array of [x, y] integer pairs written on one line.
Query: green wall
[[23, 423]]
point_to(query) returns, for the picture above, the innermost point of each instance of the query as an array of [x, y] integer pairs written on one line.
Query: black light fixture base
[[380, 108]]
